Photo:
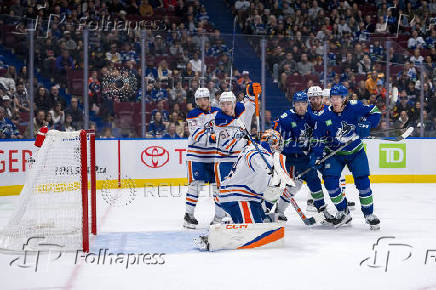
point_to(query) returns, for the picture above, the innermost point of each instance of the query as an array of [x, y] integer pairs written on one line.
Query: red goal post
[[57, 205]]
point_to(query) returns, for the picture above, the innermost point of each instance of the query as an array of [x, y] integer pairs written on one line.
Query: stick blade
[[406, 134], [309, 221]]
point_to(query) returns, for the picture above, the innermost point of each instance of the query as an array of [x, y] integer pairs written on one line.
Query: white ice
[[316, 257]]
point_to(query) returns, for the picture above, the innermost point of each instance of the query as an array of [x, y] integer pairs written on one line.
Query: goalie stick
[[306, 220]]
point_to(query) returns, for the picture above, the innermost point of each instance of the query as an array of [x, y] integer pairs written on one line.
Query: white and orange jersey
[[229, 138], [249, 177], [201, 143]]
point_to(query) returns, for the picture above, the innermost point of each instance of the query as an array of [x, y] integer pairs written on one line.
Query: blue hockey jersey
[[337, 129], [297, 131]]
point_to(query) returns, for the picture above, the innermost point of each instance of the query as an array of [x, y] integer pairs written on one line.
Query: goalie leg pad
[[245, 236], [243, 212]]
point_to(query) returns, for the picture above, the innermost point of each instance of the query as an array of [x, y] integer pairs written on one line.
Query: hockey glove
[[312, 161], [363, 129], [252, 90]]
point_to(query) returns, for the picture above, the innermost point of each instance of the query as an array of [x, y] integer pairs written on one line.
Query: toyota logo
[[155, 156]]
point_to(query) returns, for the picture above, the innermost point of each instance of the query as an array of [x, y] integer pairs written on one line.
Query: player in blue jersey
[[297, 127], [201, 152], [317, 105], [348, 122]]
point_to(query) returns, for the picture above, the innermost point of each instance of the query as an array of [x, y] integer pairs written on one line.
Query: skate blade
[[374, 227], [345, 222], [189, 226]]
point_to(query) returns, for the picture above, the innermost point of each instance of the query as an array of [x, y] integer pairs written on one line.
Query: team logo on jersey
[[346, 132], [305, 135], [224, 134], [193, 123], [155, 156], [293, 124]]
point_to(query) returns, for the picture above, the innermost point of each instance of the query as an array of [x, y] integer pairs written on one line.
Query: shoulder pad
[[239, 109], [215, 109], [222, 119], [194, 113]]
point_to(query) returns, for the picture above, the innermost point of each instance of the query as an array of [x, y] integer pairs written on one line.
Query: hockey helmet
[[272, 141], [314, 91], [326, 93], [201, 93], [300, 96], [227, 97], [339, 90]]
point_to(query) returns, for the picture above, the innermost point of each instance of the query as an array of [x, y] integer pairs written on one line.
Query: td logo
[[392, 156]]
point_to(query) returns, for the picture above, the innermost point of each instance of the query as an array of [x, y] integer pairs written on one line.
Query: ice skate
[[343, 218], [373, 221], [329, 219], [310, 206], [190, 222]]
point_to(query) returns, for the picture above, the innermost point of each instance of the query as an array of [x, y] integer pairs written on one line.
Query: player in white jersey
[[201, 152], [250, 181], [229, 138]]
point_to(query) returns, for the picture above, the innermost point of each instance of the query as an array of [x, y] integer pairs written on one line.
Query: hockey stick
[[322, 160], [256, 103], [233, 49], [401, 137], [304, 218]]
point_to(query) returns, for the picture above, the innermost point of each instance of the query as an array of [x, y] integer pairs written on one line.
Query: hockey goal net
[[57, 206]]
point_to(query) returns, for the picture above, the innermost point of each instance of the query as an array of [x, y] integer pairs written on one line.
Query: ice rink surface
[[402, 255]]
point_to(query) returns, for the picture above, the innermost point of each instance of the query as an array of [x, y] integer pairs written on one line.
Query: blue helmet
[[300, 96], [339, 90]]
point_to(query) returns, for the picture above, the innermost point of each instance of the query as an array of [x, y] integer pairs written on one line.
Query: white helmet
[[201, 93], [326, 93], [228, 97], [314, 91]]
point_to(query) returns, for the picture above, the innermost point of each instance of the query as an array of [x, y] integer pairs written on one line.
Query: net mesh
[[49, 210]]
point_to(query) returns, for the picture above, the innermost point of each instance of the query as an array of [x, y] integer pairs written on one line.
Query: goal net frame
[[18, 230]]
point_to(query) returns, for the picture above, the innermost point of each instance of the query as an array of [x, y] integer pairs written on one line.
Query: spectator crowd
[[354, 32]]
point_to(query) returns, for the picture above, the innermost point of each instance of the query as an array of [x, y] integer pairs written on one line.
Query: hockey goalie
[[241, 194]]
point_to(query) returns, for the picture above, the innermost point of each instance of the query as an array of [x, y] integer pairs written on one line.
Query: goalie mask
[[272, 141]]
